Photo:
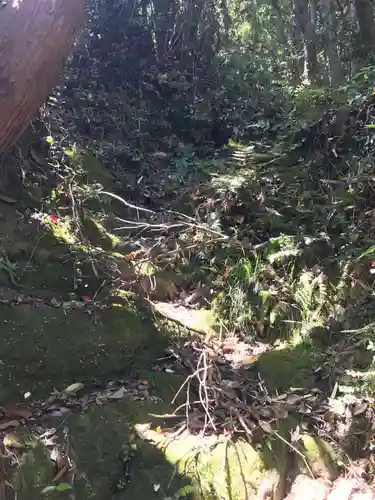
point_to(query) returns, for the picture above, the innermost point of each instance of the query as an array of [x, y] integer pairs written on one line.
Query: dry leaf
[[265, 426], [119, 394], [359, 408], [14, 411], [10, 423], [293, 399], [12, 441], [7, 199], [280, 411], [62, 472]]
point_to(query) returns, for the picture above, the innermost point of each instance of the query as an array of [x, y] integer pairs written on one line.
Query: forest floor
[[208, 335], [76, 377]]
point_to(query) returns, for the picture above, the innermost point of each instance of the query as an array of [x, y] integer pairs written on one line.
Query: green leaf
[[69, 152], [50, 140], [63, 487], [369, 251], [370, 125], [273, 316], [56, 487], [74, 388], [48, 489]]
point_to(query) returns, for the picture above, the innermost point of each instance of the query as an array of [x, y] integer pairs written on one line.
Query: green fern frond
[[242, 157], [282, 256], [322, 295], [242, 273], [303, 293], [344, 283]]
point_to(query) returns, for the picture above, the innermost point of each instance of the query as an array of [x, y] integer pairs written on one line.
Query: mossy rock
[[320, 459], [45, 347], [93, 169], [97, 234], [100, 441], [220, 468], [289, 366]]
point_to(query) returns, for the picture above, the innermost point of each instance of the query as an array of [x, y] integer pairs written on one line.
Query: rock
[[319, 456], [304, 487]]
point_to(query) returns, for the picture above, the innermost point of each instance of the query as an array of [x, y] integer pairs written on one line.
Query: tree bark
[[365, 17], [305, 16], [36, 37], [286, 43], [331, 45]]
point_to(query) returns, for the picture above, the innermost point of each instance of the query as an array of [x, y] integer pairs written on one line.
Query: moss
[[61, 232], [34, 474], [220, 468], [288, 366], [97, 234], [43, 348], [94, 169], [97, 441], [320, 457], [204, 320]]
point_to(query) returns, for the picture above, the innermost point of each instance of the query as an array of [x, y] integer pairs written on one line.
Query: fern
[[322, 294], [344, 283], [284, 255], [304, 292], [242, 157], [184, 492]]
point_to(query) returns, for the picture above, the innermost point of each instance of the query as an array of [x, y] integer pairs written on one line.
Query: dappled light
[[187, 253]]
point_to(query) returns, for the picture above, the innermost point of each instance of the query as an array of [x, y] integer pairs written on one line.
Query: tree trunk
[[36, 37], [331, 46], [305, 16], [365, 16], [282, 35]]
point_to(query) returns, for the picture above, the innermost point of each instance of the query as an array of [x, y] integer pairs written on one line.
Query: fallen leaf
[[53, 219], [74, 388], [12, 441], [265, 426], [10, 423], [280, 411], [7, 199], [359, 408], [119, 394], [62, 472], [15, 411], [293, 399], [48, 433], [59, 412], [54, 302], [51, 441], [280, 397]]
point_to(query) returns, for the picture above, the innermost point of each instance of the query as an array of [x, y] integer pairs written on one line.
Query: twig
[[203, 389], [188, 379], [297, 451], [126, 203], [360, 330]]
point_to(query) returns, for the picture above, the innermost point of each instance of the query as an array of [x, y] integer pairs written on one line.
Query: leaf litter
[[16, 417]]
